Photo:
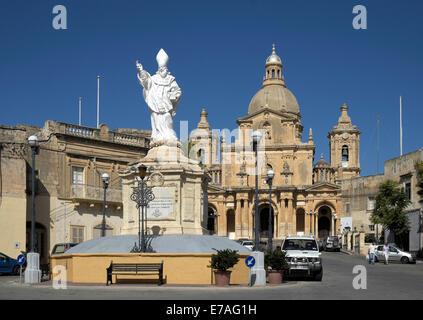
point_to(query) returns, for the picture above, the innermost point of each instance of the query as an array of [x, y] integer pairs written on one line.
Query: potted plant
[[221, 262], [275, 262]]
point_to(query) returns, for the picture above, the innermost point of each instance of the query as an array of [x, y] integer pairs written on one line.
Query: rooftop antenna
[[400, 125], [98, 102], [378, 117], [79, 118]]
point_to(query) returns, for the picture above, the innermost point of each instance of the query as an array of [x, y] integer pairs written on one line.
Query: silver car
[[332, 243], [395, 255], [248, 244]]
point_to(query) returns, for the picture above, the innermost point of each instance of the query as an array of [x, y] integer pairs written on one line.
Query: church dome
[[321, 163], [275, 97], [274, 94]]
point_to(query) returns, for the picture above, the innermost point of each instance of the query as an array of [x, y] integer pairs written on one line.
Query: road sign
[[250, 261], [21, 259]]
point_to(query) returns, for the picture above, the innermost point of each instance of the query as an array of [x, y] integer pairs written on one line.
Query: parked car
[[332, 243], [303, 256], [61, 248], [395, 254], [8, 264], [248, 244]]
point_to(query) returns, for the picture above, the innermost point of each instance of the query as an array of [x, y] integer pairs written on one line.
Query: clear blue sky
[[217, 52]]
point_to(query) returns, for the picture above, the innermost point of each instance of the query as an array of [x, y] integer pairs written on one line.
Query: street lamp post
[[311, 214], [257, 274], [33, 272], [142, 195], [315, 224], [106, 179], [270, 175], [335, 217], [34, 144], [256, 136]]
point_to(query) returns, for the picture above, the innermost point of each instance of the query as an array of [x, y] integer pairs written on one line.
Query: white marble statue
[[162, 95]]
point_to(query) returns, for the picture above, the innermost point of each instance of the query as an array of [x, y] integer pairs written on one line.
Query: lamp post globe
[[142, 170], [106, 178], [33, 141], [256, 136]]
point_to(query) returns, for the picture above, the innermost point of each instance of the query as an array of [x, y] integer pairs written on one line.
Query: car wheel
[[318, 276], [16, 270], [405, 260]]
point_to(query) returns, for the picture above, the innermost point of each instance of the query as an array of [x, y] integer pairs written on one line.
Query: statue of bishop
[[162, 95]]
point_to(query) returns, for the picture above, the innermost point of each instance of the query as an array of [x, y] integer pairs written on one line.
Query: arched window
[[201, 156], [345, 156], [267, 131], [273, 73]]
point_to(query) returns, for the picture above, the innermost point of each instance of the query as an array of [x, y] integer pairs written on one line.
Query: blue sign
[[21, 259], [250, 261]]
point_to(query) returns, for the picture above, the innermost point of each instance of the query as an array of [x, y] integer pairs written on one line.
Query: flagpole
[[400, 125], [378, 142], [79, 118], [98, 102]]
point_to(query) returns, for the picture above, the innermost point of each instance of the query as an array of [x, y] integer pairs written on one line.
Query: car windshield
[[300, 244], [247, 243], [60, 248], [333, 238]]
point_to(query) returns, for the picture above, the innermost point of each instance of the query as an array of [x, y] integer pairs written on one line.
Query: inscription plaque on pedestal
[[162, 205]]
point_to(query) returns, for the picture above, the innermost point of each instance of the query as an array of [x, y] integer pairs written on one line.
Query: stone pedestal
[[180, 190], [257, 274], [33, 272]]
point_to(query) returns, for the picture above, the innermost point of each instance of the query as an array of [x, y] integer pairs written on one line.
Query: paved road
[[394, 281]]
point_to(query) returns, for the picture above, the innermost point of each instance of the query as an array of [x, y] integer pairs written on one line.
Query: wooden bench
[[136, 269]]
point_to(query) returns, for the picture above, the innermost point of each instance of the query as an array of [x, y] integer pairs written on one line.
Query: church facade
[[306, 197]]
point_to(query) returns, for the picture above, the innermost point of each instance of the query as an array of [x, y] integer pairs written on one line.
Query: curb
[[347, 252]]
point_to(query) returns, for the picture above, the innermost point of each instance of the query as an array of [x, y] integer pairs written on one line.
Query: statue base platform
[[179, 186]]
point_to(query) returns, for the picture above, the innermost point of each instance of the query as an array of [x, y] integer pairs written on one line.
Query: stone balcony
[[132, 137], [82, 193]]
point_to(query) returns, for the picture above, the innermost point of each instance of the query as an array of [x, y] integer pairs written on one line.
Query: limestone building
[[69, 192], [305, 197], [358, 197]]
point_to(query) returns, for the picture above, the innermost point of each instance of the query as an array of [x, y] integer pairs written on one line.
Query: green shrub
[[369, 238], [276, 260], [224, 259]]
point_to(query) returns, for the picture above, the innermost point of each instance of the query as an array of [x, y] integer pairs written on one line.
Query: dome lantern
[[273, 67], [273, 93]]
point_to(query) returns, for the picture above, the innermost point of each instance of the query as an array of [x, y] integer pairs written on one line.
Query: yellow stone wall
[[13, 202], [178, 268]]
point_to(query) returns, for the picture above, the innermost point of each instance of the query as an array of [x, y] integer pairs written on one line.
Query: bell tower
[[344, 144]]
